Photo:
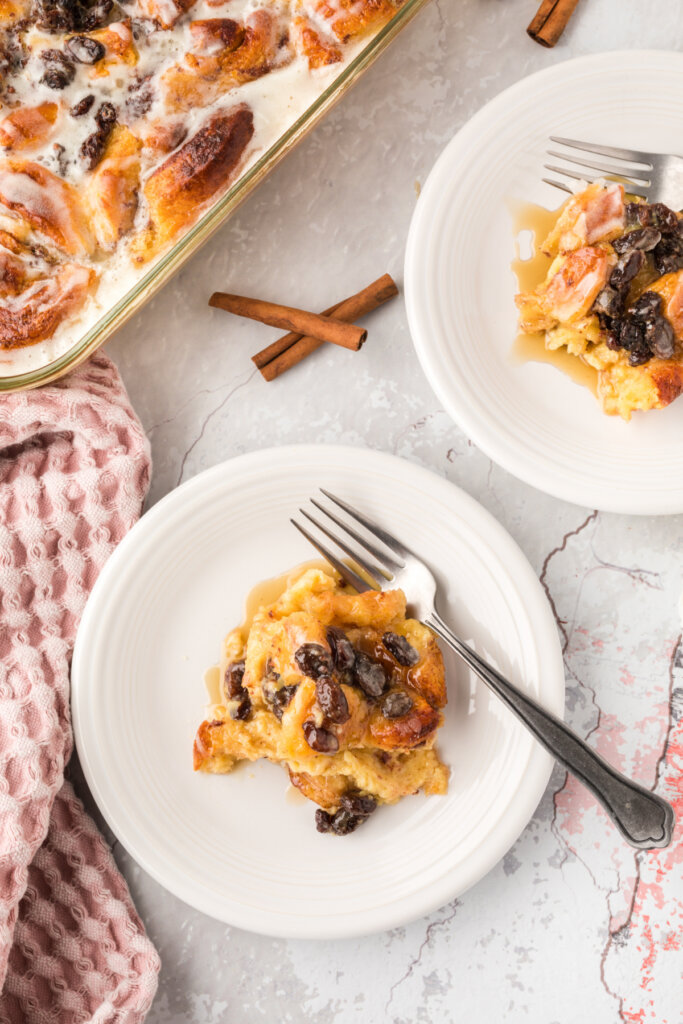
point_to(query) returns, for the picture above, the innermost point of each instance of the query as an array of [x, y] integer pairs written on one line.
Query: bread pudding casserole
[[339, 688], [122, 121], [613, 296]]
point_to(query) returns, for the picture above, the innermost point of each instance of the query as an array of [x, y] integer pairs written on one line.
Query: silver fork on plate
[[656, 177], [643, 818]]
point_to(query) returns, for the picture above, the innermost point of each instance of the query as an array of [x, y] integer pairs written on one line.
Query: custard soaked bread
[[613, 296], [341, 689]]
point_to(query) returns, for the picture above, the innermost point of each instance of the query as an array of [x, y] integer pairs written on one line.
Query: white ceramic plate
[[531, 418], [233, 846]]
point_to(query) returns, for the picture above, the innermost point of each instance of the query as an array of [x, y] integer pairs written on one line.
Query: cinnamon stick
[[324, 328], [551, 20], [285, 342], [380, 291]]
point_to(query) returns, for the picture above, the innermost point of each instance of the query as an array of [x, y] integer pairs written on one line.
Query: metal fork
[[643, 818], [656, 177]]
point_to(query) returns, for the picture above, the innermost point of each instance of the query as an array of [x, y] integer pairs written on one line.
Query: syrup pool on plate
[[531, 224]]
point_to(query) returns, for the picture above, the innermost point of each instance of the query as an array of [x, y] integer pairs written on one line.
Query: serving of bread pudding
[[339, 688], [613, 296]]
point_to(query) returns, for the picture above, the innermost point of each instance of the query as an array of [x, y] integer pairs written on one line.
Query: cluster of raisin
[[655, 237], [345, 663], [57, 16]]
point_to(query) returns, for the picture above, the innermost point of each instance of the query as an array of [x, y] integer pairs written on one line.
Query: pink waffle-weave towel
[[74, 470]]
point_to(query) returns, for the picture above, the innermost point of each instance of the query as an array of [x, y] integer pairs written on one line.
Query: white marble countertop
[[572, 925]]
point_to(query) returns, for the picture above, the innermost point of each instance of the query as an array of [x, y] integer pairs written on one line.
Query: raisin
[[234, 690], [355, 803], [143, 27], [60, 155], [332, 700], [83, 106], [106, 116], [94, 146], [637, 215], [320, 740], [631, 335], [396, 704], [84, 49], [55, 79], [662, 218], [233, 682], [313, 660], [59, 70], [58, 59], [369, 675], [59, 15], [639, 355], [343, 823], [141, 97], [646, 306], [399, 647], [278, 698], [626, 269], [97, 15], [642, 238], [668, 256], [660, 338], [241, 709], [609, 302], [323, 820], [343, 654]]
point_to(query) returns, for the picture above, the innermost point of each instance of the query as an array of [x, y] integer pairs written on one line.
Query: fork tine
[[345, 571], [632, 189], [557, 184], [630, 155], [635, 176], [394, 545], [375, 574], [386, 562]]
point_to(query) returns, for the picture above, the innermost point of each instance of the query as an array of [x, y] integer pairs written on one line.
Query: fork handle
[[643, 818]]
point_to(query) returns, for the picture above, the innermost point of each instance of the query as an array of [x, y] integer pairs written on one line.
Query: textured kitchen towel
[[74, 469]]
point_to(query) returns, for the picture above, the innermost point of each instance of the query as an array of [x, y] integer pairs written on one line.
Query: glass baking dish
[[215, 217]]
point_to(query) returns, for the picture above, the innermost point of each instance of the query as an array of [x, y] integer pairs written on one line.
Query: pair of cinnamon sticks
[[551, 20], [307, 331]]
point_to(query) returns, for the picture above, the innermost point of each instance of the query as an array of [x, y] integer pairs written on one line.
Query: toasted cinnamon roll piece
[[320, 52], [213, 35], [34, 312], [113, 188], [164, 136], [179, 189], [28, 127], [12, 268], [12, 11], [248, 55], [166, 12], [117, 40], [48, 205], [349, 19]]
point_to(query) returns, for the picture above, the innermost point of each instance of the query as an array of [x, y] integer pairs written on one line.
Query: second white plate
[[531, 418], [232, 845]]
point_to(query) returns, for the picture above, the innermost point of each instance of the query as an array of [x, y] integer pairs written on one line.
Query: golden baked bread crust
[[191, 176], [376, 739]]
